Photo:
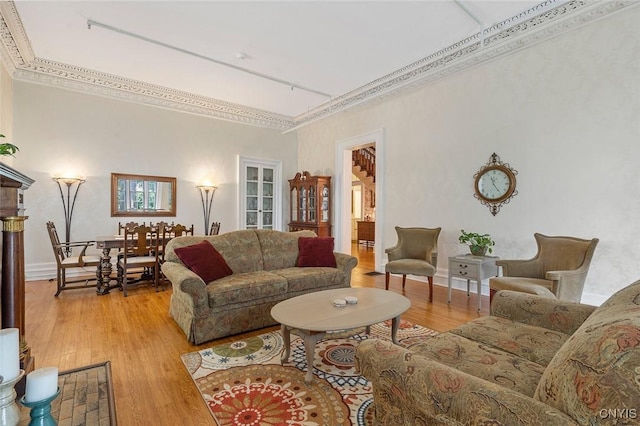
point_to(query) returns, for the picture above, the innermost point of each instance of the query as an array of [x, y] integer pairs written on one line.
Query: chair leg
[[386, 281], [58, 282], [404, 280], [430, 279]]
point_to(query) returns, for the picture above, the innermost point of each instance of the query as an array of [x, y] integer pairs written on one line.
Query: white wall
[[6, 110], [564, 113], [58, 129]]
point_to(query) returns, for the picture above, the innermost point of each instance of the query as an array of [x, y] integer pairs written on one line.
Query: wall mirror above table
[[140, 195]]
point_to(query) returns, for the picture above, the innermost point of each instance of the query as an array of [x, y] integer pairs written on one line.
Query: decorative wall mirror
[[139, 195]]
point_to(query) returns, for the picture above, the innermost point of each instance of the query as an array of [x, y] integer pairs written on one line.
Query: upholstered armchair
[[415, 253], [557, 271]]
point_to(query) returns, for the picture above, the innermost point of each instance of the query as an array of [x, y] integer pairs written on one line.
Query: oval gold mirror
[[139, 195]]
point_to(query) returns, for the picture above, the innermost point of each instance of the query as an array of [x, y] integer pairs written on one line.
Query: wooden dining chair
[[166, 234], [215, 228], [139, 261], [64, 262]]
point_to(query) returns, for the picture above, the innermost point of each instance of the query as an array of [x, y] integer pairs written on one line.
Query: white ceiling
[[332, 47]]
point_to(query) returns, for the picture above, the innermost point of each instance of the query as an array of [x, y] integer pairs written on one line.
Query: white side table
[[472, 267]]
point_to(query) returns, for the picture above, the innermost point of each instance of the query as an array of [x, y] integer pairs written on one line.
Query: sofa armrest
[[186, 283], [552, 314], [345, 262], [411, 389]]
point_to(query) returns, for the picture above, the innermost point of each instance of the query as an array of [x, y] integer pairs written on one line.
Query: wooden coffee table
[[312, 315]]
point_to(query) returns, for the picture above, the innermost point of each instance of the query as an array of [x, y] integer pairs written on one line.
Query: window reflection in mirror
[[139, 195]]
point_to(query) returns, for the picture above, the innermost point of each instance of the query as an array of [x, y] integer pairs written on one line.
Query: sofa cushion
[[316, 251], [204, 260], [280, 250], [301, 279], [533, 343], [241, 288], [483, 361], [241, 249], [597, 369]]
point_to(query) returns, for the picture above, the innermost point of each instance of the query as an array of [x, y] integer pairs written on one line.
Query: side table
[[472, 267]]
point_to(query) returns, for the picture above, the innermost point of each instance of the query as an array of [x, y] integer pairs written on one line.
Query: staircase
[[364, 163]]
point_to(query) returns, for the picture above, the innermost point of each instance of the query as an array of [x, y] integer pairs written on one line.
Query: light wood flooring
[[144, 345]]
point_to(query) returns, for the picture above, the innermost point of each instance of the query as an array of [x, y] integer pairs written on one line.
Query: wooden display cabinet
[[310, 200]]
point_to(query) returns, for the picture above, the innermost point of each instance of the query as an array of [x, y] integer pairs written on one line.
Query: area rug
[[86, 398], [244, 384]]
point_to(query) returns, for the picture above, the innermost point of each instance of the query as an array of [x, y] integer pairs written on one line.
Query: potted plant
[[7, 148], [479, 244]]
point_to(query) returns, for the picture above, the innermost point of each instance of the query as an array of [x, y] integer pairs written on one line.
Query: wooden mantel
[[12, 275]]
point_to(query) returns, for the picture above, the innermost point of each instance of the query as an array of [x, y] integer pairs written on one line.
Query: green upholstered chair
[[415, 253], [557, 271]]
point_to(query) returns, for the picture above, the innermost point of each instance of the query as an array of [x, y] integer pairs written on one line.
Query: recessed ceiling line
[[91, 23]]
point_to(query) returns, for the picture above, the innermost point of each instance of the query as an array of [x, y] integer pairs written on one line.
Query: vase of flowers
[[479, 244], [7, 148]]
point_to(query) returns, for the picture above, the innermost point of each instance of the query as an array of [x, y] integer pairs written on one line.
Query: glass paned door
[[259, 201]]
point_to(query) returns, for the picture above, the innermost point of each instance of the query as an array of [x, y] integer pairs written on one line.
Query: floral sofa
[[534, 361], [259, 269]]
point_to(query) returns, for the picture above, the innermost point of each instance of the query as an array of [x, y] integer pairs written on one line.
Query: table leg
[[479, 293], [104, 272], [310, 340], [395, 324], [449, 298], [286, 339]]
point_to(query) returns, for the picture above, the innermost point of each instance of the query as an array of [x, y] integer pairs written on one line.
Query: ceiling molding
[[528, 28], [539, 23]]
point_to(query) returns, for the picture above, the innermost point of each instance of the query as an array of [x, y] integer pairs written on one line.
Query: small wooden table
[[312, 315], [472, 267]]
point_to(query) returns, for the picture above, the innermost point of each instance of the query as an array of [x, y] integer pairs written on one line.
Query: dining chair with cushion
[[215, 228], [558, 270], [139, 260], [167, 232], [415, 253], [64, 261]]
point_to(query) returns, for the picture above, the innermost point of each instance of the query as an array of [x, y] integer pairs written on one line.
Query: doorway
[[342, 192]]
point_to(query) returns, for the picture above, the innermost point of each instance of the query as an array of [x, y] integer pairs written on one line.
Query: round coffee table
[[312, 315]]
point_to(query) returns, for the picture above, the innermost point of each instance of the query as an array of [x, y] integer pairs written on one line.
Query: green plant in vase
[[479, 244], [7, 148]]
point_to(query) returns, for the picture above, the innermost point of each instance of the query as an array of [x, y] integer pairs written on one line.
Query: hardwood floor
[[144, 345]]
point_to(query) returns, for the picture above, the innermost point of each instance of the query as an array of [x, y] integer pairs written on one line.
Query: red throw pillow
[[316, 251], [205, 261]]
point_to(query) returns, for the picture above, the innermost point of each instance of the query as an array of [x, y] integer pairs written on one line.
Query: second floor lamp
[[206, 195], [68, 202]]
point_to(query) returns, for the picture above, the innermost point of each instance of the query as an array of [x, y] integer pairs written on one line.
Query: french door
[[260, 194]]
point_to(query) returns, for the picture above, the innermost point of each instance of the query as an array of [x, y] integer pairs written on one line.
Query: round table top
[[316, 312]]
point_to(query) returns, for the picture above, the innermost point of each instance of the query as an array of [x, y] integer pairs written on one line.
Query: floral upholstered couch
[[261, 270], [534, 361]]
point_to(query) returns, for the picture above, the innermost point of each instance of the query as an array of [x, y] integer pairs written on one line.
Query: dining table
[[104, 269], [103, 274]]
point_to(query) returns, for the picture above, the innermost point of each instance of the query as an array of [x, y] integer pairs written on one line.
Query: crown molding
[[540, 23], [544, 21]]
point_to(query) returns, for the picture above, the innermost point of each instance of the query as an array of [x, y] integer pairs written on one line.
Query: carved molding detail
[[539, 23], [13, 223]]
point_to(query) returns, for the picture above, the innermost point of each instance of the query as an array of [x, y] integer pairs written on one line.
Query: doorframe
[[342, 191]]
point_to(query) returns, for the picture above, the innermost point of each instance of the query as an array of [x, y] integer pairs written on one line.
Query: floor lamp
[[68, 203], [206, 195]]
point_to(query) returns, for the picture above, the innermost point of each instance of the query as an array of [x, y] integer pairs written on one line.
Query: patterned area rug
[[244, 384]]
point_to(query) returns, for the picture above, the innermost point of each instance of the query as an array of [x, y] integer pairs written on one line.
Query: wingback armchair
[[415, 253], [558, 270]]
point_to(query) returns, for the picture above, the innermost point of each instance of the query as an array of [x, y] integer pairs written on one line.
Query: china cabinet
[[310, 200], [259, 195]]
